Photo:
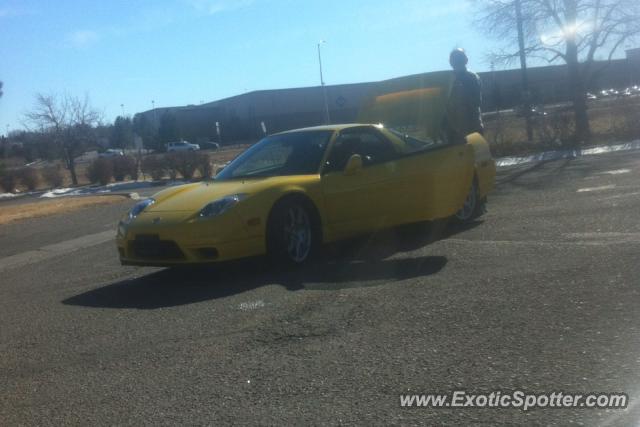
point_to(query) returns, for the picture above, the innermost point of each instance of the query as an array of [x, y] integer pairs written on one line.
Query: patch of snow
[[115, 184], [116, 187], [37, 162], [633, 145], [540, 157], [57, 192], [566, 154], [7, 195]]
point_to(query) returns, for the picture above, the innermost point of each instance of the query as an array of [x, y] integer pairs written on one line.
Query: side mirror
[[353, 165]]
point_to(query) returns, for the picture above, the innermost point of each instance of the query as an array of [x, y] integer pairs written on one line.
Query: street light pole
[[153, 107], [324, 90]]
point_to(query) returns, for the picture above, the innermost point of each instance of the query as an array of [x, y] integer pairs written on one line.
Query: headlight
[[138, 208], [220, 206]]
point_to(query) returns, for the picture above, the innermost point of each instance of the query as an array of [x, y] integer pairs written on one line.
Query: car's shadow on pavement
[[356, 263]]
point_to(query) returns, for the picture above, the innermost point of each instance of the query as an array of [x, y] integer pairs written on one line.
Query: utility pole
[[523, 68], [495, 89], [155, 114], [324, 90]]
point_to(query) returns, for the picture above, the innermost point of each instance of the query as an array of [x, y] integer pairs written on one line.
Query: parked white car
[[112, 152], [182, 146]]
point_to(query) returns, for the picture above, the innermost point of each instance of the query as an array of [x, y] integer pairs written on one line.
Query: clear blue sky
[[180, 52]]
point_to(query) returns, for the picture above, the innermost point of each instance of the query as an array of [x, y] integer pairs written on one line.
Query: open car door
[[366, 198]]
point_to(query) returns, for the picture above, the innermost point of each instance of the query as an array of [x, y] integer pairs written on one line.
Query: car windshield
[[295, 153]]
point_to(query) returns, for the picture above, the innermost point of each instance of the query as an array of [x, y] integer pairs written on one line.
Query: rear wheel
[[473, 206], [292, 235]]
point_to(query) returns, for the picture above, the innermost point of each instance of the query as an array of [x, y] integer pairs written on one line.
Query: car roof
[[337, 127]]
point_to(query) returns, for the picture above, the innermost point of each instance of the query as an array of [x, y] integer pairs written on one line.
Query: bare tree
[[69, 121], [573, 31]]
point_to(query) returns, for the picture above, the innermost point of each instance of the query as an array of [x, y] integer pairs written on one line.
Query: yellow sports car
[[291, 192]]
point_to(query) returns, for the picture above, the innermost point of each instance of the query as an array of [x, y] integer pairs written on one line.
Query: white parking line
[[54, 250], [603, 237], [620, 196], [601, 188], [615, 172], [570, 239]]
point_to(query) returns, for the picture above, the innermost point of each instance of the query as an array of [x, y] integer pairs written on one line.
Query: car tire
[[293, 233], [473, 206]]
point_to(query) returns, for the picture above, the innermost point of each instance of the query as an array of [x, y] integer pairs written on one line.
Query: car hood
[[193, 197]]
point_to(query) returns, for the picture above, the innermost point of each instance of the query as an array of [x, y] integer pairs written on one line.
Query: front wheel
[[473, 207], [292, 235]]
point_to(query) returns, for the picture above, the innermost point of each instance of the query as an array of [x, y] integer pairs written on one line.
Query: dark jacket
[[463, 106]]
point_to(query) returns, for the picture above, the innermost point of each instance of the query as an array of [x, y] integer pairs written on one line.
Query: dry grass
[[60, 205], [610, 120]]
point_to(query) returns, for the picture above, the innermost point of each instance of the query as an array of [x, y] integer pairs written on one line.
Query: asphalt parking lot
[[541, 295]]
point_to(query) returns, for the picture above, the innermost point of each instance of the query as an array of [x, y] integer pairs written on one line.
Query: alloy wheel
[[297, 233]]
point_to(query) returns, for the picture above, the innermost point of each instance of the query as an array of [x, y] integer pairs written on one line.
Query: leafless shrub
[[496, 130], [53, 176], [29, 177], [9, 181], [154, 166], [502, 135], [183, 162], [624, 121], [100, 171], [555, 129], [204, 165], [124, 166]]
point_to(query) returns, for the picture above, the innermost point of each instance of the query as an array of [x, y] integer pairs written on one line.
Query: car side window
[[372, 147], [375, 148], [343, 148]]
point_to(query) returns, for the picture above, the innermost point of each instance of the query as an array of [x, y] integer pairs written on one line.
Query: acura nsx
[[293, 191]]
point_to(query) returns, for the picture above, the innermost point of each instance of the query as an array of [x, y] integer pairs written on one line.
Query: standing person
[[463, 106]]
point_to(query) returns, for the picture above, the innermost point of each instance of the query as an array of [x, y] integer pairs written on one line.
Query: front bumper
[[205, 254], [169, 238]]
